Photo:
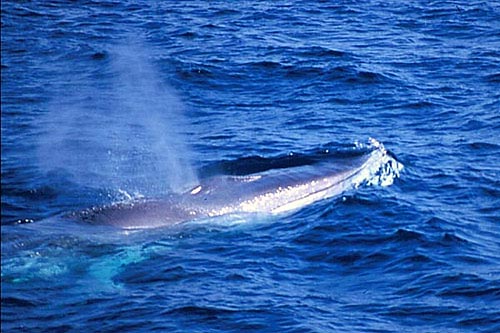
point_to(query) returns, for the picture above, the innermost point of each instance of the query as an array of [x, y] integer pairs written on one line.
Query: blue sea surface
[[106, 101]]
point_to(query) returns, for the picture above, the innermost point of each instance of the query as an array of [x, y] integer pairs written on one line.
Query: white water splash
[[382, 169]]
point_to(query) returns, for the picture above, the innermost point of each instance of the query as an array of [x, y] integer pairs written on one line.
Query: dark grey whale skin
[[273, 191]]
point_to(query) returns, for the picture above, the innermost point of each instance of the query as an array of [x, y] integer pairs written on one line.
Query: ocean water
[[106, 101]]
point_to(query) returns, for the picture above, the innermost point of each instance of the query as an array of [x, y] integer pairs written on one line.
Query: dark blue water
[[103, 101]]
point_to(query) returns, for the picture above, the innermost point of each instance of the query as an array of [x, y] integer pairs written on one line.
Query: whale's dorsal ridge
[[271, 191], [245, 179]]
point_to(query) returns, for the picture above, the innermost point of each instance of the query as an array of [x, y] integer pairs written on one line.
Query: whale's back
[[271, 191]]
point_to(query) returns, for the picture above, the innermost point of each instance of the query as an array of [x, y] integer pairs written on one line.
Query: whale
[[275, 191]]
